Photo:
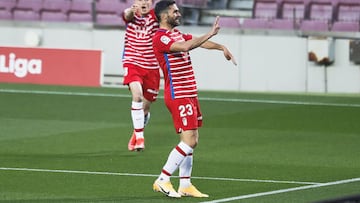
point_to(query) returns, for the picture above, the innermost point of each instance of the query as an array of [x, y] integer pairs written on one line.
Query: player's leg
[[146, 106], [151, 85], [176, 156], [185, 187], [185, 119], [137, 115]]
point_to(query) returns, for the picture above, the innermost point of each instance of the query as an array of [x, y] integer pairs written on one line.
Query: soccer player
[[171, 48], [140, 66]]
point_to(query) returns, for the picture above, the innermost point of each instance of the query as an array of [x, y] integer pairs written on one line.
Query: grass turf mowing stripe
[[201, 98], [152, 175], [284, 190]]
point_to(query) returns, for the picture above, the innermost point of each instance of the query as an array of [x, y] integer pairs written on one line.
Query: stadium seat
[[27, 10], [109, 19], [6, 9], [26, 15], [7, 4], [109, 6], [264, 11], [53, 16], [283, 24], [81, 11], [108, 12], [347, 16], [34, 5], [5, 14], [55, 10], [319, 16], [256, 23], [230, 22], [267, 9], [291, 14], [56, 5]]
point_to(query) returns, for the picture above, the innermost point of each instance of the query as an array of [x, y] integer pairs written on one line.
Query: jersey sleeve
[[162, 43], [152, 13], [187, 37]]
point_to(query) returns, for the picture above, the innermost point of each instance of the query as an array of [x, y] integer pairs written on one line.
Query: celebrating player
[[140, 66], [171, 48]]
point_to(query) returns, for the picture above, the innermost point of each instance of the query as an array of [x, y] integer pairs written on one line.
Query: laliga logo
[[20, 66]]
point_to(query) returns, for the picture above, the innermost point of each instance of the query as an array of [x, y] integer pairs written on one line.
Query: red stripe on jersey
[[138, 41]]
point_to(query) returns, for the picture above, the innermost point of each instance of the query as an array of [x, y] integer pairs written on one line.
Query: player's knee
[[137, 98], [192, 143]]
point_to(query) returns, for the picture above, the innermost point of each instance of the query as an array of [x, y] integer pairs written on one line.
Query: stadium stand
[[302, 15], [305, 15]]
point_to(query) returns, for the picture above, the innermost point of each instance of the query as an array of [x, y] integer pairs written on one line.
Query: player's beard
[[173, 21]]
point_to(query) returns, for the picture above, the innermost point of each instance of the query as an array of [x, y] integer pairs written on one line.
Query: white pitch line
[[201, 98], [150, 175], [284, 190]]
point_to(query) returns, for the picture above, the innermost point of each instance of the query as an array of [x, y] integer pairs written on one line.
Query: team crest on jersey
[[165, 39], [184, 121]]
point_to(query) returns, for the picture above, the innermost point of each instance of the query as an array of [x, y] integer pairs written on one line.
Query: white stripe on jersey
[[138, 48]]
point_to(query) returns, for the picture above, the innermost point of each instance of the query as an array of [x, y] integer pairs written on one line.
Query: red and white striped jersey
[[138, 41], [177, 68]]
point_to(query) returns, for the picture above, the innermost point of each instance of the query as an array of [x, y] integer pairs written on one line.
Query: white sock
[[185, 170], [176, 156], [137, 115]]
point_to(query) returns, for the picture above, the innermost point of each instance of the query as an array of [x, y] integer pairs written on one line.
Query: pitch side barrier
[[74, 67]]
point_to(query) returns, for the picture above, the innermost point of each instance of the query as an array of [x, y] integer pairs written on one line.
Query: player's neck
[[166, 26]]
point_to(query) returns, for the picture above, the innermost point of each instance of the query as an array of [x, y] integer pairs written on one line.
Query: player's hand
[[135, 8], [215, 28], [229, 56]]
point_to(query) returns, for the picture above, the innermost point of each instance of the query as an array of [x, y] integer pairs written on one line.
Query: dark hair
[[162, 6]]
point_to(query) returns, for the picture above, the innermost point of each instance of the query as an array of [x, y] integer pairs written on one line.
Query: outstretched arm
[[195, 42], [213, 45]]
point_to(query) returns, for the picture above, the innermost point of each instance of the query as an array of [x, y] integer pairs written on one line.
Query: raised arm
[[129, 13], [197, 41]]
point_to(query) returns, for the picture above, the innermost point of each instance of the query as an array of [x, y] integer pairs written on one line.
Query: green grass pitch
[[69, 144]]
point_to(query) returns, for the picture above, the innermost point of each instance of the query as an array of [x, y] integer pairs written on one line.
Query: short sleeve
[[162, 43]]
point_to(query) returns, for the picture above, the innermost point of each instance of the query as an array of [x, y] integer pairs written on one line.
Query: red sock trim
[[180, 150], [165, 172], [134, 109], [139, 130], [185, 177], [190, 154]]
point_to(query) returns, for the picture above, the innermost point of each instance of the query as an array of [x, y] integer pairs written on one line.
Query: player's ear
[[164, 15]]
